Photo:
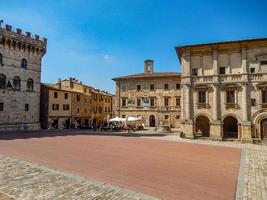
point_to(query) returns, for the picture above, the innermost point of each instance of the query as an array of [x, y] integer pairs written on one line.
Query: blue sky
[[95, 40]]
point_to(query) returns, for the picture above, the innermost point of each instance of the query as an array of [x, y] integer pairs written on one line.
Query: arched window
[[30, 84], [16, 83], [2, 81], [1, 59], [24, 63]]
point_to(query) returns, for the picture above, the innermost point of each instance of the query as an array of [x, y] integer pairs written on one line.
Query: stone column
[[246, 125], [216, 124]]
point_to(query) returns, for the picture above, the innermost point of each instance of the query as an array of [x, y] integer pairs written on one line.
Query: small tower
[[149, 66]]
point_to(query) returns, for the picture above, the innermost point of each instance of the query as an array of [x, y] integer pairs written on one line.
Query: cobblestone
[[23, 180]]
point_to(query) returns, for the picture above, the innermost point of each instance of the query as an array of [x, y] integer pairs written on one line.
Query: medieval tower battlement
[[20, 75]]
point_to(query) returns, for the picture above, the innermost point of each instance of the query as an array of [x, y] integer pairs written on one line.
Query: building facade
[[70, 103], [153, 96], [20, 73], [56, 107], [224, 93]]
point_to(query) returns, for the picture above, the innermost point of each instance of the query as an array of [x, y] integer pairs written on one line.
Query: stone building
[[56, 107], [224, 90], [20, 72], [87, 106], [153, 96]]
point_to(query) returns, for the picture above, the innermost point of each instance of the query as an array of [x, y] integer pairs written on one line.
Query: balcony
[[202, 105], [230, 78], [231, 106], [264, 105], [202, 79]]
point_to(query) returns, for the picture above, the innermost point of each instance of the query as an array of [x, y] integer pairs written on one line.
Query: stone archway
[[202, 126], [152, 121], [264, 129], [230, 127]]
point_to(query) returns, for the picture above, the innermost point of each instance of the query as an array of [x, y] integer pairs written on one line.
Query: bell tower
[[149, 66]]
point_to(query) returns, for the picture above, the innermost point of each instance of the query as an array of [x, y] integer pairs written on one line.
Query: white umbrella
[[117, 119], [133, 119]]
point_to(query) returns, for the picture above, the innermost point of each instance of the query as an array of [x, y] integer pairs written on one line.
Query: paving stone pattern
[[23, 180]]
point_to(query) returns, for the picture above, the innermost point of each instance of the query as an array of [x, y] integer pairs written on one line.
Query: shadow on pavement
[[12, 135]]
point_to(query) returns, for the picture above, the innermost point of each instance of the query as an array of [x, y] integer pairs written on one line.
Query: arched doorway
[[202, 126], [264, 129], [230, 127], [152, 121]]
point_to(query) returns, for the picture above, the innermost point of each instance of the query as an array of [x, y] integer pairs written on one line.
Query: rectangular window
[[26, 107], [66, 95], [202, 96], [1, 106], [178, 102], [84, 90], [253, 102], [123, 116], [123, 87], [263, 62], [194, 72], [264, 96], [78, 110], [178, 86], [152, 102], [78, 97], [166, 86], [138, 87], [66, 106], [166, 117], [166, 101], [123, 102], [55, 106], [138, 102], [152, 87], [55, 95], [222, 70], [230, 97], [177, 116], [252, 70]]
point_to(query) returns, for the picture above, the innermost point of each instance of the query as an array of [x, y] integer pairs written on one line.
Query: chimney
[[8, 27], [59, 84], [19, 31], [149, 66], [71, 82], [28, 34]]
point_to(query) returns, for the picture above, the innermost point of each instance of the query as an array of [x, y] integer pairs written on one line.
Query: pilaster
[[246, 132], [216, 130]]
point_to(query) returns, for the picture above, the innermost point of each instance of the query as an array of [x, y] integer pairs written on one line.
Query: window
[[177, 116], [24, 63], [66, 107], [123, 87], [152, 102], [78, 97], [1, 106], [30, 84], [263, 62], [1, 59], [253, 102], [66, 95], [16, 83], [194, 72], [152, 87], [166, 117], [264, 96], [123, 102], [55, 106], [252, 70], [138, 102], [178, 86], [166, 101], [178, 102], [2, 81], [230, 97], [166, 86], [100, 109], [202, 96], [123, 116], [138, 87], [222, 70], [26, 107], [85, 110], [84, 90], [55, 95]]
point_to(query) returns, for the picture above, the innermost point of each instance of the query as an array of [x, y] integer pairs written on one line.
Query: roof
[[179, 48], [149, 75], [56, 87]]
